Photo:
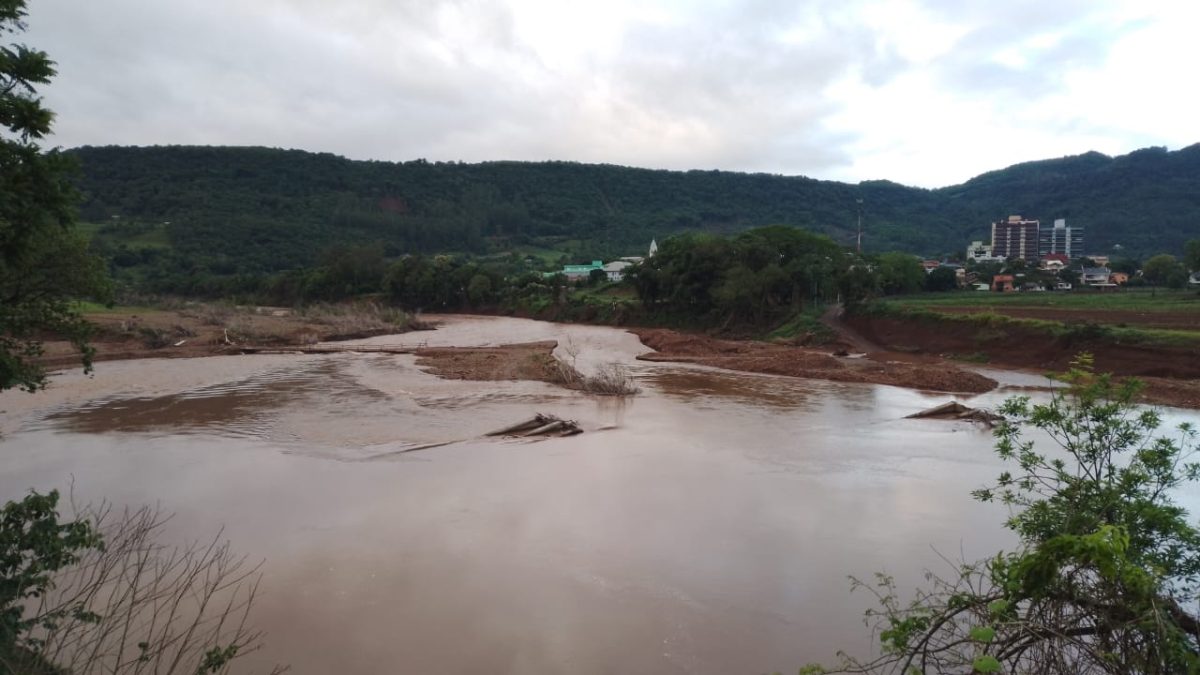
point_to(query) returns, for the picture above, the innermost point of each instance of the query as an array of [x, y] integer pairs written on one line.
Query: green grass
[[807, 321], [995, 323], [89, 307], [1141, 299]]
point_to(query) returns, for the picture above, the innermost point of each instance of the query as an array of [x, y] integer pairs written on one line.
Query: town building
[[1015, 238], [980, 252], [1061, 239], [1095, 276], [1003, 283], [1053, 261], [578, 272], [615, 270]]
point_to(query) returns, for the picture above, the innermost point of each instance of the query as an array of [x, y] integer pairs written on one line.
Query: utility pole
[[859, 225]]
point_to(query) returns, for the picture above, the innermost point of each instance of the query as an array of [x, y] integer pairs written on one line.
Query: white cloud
[[922, 92]]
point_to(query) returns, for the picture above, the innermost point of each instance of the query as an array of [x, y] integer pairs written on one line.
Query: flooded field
[[707, 525]]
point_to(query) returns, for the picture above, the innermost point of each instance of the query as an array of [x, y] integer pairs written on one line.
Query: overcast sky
[[925, 92]]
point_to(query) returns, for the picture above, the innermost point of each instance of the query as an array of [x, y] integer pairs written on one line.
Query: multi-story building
[[1061, 239], [1015, 238]]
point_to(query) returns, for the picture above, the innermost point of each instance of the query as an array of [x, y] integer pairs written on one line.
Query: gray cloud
[[741, 85]]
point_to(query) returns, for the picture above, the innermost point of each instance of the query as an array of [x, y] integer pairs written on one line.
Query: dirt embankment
[[1013, 345], [1171, 374], [212, 330], [775, 359], [525, 361]]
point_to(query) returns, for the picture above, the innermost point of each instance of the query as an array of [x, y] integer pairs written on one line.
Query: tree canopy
[[749, 278], [43, 264], [1164, 270], [1191, 255]]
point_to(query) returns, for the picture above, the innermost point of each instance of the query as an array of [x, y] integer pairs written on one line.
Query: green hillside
[[234, 210], [1147, 201]]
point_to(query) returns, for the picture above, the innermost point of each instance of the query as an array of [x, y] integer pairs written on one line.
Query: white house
[[615, 270], [980, 252], [1095, 276]]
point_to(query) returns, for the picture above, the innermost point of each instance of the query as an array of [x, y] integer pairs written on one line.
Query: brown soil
[[1171, 374], [1025, 348], [191, 333], [526, 361], [775, 359]]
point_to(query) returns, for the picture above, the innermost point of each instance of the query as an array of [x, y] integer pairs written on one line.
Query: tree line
[[242, 210]]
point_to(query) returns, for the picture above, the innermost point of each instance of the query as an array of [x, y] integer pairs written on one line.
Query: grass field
[[1134, 316], [89, 307], [1141, 300]]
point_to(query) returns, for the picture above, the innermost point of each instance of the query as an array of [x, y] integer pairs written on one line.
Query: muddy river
[[707, 525]]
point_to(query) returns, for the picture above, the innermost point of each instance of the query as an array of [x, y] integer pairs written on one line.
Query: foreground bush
[[101, 594], [1107, 574]]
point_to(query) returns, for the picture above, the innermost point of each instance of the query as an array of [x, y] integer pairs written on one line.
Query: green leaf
[[983, 633], [986, 664]]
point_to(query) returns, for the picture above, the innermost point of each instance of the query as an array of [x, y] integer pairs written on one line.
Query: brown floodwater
[[707, 525]]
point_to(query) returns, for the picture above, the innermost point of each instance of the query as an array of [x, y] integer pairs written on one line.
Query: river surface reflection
[[705, 526]]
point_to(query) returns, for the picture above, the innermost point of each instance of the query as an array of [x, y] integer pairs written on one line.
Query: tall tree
[[43, 265], [1191, 255], [900, 273], [1160, 269]]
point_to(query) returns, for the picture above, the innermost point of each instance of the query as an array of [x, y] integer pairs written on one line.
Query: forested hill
[[235, 209], [1147, 201]]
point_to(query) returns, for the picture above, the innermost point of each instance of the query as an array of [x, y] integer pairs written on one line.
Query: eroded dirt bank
[[213, 330], [1171, 374], [527, 361], [774, 359]]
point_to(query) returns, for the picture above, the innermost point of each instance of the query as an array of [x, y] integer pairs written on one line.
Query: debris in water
[[540, 425], [954, 410]]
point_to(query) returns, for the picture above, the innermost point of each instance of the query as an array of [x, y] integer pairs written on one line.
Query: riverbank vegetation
[[767, 280], [96, 592], [44, 263], [1106, 576], [774, 283]]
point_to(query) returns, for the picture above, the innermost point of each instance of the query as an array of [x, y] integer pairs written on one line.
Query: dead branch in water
[[540, 425], [953, 410]]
